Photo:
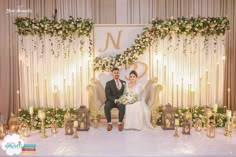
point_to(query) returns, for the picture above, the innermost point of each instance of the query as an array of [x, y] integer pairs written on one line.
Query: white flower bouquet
[[128, 98]]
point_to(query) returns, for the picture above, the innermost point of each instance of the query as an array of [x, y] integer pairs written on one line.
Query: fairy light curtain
[[54, 62], [191, 69]]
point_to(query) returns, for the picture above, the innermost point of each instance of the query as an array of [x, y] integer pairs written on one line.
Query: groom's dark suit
[[113, 93]]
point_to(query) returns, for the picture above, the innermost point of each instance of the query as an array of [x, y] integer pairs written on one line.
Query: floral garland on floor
[[159, 29], [62, 28], [198, 113], [57, 115]]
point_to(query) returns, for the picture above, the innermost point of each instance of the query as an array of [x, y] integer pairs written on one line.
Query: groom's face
[[116, 74]]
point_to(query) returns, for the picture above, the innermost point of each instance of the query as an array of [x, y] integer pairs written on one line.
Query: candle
[[157, 68], [189, 94], [208, 94], [172, 88], [206, 87], [28, 88], [177, 95], [64, 91], [69, 95], [46, 93], [176, 122], [228, 113], [88, 71], [228, 97], [31, 110], [215, 107], [37, 96], [182, 92], [73, 90], [76, 123], [217, 82], [200, 91], [18, 99], [164, 79], [192, 101], [81, 85]]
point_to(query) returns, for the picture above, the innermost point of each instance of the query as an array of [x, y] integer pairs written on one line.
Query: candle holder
[[42, 117], [32, 121], [208, 114], [75, 135], [2, 131], [176, 131], [228, 127], [54, 127], [198, 125], [211, 129]]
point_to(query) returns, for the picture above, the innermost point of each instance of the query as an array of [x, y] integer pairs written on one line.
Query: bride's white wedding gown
[[137, 115]]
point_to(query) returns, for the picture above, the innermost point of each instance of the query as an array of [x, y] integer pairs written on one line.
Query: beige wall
[[106, 12]]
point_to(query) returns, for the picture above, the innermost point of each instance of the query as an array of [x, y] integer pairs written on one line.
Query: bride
[[137, 115]]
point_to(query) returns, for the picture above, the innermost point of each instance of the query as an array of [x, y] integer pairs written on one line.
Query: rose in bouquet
[[128, 98]]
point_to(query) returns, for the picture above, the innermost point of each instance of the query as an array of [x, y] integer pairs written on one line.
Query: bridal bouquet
[[128, 98]]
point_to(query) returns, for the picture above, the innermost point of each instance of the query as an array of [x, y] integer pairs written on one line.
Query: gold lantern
[[211, 129], [234, 121], [69, 127], [13, 124], [83, 118], [168, 118], [198, 124], [24, 130], [186, 128], [2, 131]]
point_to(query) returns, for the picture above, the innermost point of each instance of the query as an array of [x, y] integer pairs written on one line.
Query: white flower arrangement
[[128, 98]]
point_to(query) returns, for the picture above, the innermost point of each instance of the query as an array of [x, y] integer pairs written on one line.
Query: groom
[[114, 89]]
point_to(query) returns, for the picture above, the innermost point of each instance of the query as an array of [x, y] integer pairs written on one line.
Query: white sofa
[[97, 98]]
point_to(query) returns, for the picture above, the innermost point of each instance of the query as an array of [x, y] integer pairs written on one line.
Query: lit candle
[[64, 91], [209, 93], [228, 113], [18, 99], [177, 95], [31, 110], [217, 82], [193, 94], [28, 88], [76, 123], [73, 104], [172, 88], [69, 96], [37, 96], [206, 87], [228, 97], [182, 92], [215, 107], [189, 94], [46, 93], [157, 68], [176, 122], [81, 85], [164, 79], [200, 91]]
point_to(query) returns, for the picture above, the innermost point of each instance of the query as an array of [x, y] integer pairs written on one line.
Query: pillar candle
[[172, 88], [200, 91], [81, 85], [217, 82], [157, 68], [28, 86], [31, 110], [76, 123], [18, 99], [46, 93], [228, 97], [177, 95], [182, 92], [73, 104], [209, 93], [206, 87]]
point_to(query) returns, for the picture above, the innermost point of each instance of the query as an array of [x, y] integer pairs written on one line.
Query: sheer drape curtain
[[104, 12]]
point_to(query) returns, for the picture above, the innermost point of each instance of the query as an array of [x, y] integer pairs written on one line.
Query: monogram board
[[110, 40]]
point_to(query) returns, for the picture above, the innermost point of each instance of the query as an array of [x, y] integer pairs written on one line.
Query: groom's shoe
[[109, 127], [120, 127]]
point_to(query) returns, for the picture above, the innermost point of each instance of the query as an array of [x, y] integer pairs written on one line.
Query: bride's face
[[132, 78]]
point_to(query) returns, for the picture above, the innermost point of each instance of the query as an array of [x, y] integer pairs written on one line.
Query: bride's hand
[[116, 101]]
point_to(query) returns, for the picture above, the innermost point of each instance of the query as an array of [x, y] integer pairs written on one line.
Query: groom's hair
[[115, 68]]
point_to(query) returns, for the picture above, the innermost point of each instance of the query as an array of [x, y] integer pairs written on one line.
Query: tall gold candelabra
[[42, 117]]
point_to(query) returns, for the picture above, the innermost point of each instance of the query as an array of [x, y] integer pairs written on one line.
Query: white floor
[[157, 142]]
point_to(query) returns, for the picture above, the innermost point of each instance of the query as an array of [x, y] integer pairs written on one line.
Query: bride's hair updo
[[133, 72]]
